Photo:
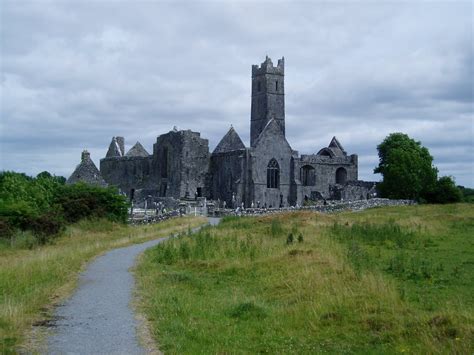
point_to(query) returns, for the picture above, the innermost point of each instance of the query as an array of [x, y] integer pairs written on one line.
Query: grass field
[[386, 280], [33, 280]]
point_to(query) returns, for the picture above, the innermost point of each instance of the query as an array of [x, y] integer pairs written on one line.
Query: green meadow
[[385, 280]]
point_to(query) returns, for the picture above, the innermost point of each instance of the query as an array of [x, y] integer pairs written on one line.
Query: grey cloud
[[75, 74]]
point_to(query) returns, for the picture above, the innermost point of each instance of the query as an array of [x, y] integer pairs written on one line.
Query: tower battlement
[[267, 67]]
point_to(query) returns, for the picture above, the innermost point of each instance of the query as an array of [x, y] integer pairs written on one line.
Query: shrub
[[6, 230], [80, 201], [467, 194], [446, 191], [47, 226], [45, 204]]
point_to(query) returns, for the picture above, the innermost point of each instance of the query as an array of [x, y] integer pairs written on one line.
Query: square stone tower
[[268, 97]]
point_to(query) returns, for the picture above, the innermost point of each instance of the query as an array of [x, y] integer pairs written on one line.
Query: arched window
[[341, 176], [273, 175], [307, 175], [325, 152]]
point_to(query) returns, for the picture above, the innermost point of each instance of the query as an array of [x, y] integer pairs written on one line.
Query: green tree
[[446, 191], [407, 168]]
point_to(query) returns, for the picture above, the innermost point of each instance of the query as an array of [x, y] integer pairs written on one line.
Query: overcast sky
[[76, 73]]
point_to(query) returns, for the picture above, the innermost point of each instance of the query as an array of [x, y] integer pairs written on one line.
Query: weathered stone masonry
[[268, 173]]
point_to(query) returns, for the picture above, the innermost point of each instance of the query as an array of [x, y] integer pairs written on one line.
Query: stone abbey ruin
[[269, 173]]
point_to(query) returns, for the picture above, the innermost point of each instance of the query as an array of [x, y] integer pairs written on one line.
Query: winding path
[[98, 318]]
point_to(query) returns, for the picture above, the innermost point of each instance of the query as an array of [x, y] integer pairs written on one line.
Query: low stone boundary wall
[[140, 218], [329, 207]]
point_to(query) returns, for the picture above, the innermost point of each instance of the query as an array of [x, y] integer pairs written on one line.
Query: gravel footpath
[[98, 318]]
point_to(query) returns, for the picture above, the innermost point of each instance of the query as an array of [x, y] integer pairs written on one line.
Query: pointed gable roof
[[137, 151], [336, 147], [114, 149], [231, 141], [86, 172], [272, 128]]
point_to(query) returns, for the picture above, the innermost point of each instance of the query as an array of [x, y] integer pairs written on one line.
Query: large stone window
[[307, 175], [341, 176], [273, 175]]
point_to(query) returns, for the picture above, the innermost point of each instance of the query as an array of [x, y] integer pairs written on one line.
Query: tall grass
[[242, 287], [32, 280]]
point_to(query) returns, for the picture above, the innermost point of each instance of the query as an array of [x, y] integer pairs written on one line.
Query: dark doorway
[[163, 188], [307, 176], [341, 176]]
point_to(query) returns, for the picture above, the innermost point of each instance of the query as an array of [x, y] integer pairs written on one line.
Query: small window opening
[[276, 85]]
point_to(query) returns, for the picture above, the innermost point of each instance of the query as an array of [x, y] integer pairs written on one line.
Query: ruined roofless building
[[268, 173]]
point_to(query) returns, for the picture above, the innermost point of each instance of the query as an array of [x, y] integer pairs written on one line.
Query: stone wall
[[325, 169], [271, 145], [181, 164], [329, 207], [354, 190], [227, 173], [127, 173]]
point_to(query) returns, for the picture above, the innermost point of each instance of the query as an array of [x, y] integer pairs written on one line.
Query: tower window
[[276, 85], [259, 86], [273, 175]]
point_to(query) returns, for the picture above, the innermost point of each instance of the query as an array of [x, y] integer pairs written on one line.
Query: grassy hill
[[385, 280]]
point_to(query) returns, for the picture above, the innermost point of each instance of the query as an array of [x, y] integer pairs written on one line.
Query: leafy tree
[[47, 175], [407, 168], [19, 188], [446, 191]]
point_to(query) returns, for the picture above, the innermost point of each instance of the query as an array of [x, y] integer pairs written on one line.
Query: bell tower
[[268, 97]]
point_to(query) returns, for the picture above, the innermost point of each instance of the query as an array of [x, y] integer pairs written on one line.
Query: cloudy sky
[[76, 73]]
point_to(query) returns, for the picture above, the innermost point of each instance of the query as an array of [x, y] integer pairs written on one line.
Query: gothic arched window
[[273, 175]]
